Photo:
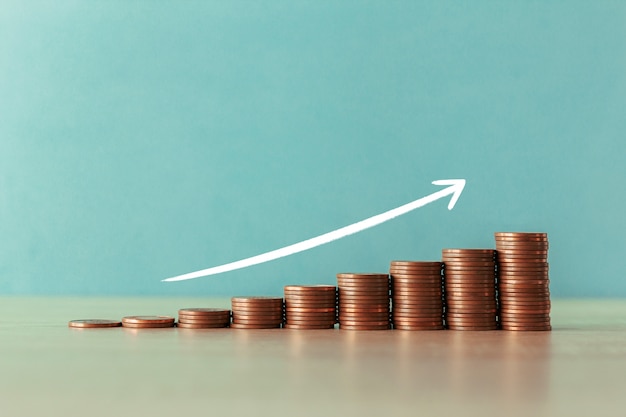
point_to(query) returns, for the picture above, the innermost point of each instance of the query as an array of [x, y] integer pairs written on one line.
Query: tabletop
[[48, 369]]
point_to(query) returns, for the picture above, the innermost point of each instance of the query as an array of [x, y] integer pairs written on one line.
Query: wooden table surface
[[48, 369]]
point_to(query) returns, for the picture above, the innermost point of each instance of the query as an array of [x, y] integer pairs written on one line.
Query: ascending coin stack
[[203, 318], [470, 289], [257, 312], [309, 307], [523, 281], [363, 301], [416, 295]]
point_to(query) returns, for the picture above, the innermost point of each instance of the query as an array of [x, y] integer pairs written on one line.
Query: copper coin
[[344, 275], [424, 300], [521, 236], [310, 288], [94, 323], [254, 306], [364, 309], [512, 245], [465, 311], [525, 311], [418, 268], [415, 279], [363, 317], [417, 310], [257, 299], [364, 322], [363, 305], [426, 264], [203, 311], [369, 282], [205, 316], [523, 267], [316, 306], [380, 287], [477, 321], [199, 321], [182, 325], [259, 322], [326, 324], [471, 277], [364, 327], [473, 328], [373, 285], [416, 288], [148, 320], [469, 315], [521, 284], [416, 328], [479, 270], [522, 322], [254, 326], [433, 323], [308, 327], [521, 262], [506, 297], [311, 310], [311, 295], [147, 325], [261, 310], [416, 319], [469, 284], [238, 313], [363, 291], [467, 252], [471, 292], [526, 305]]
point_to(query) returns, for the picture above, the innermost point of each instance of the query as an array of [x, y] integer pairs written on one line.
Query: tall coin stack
[[363, 301], [257, 312], [203, 318], [310, 307], [416, 295], [470, 289], [523, 281]]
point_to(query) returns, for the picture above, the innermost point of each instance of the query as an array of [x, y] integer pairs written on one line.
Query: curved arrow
[[455, 188]]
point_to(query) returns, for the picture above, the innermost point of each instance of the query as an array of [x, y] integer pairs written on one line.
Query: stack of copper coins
[[363, 301], [416, 295], [470, 289], [310, 307], [203, 318], [523, 281], [257, 312], [148, 322]]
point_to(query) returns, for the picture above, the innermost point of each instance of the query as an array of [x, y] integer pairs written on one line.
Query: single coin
[[240, 318], [520, 267], [269, 323], [203, 311], [310, 288], [535, 236], [356, 322], [307, 327], [327, 323], [418, 323], [469, 315], [310, 310], [516, 283], [202, 321], [182, 325], [473, 328], [426, 264], [254, 326], [244, 307], [147, 325], [417, 310], [94, 323], [474, 321], [526, 311], [364, 316], [468, 252], [414, 279], [148, 320], [416, 328], [345, 275], [242, 313], [364, 327]]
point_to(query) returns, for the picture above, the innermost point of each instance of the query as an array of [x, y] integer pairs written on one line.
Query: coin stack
[[416, 295], [147, 322], [523, 281], [310, 307], [470, 289], [203, 318], [363, 301], [257, 312]]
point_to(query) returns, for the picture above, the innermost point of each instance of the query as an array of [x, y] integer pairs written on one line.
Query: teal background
[[145, 139]]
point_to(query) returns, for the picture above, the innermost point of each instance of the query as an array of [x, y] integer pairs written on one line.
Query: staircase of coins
[[469, 289]]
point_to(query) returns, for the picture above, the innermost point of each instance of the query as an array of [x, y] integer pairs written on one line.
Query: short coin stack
[[148, 322], [470, 289], [203, 318], [310, 307], [523, 281], [363, 301], [416, 295], [257, 312]]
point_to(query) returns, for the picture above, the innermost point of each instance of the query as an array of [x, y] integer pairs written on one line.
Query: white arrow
[[455, 188]]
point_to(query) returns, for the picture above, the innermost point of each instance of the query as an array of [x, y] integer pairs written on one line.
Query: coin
[[364, 327], [147, 320], [203, 311], [254, 326], [307, 327], [310, 288], [416, 328], [94, 323], [183, 325]]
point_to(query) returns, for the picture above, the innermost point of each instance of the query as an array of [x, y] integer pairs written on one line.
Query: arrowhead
[[455, 188]]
